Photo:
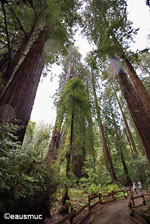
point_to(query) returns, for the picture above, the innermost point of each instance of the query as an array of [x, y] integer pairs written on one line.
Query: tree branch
[[17, 19], [7, 35]]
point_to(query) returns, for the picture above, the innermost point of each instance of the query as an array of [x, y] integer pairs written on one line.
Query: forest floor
[[118, 212], [114, 213], [110, 213]]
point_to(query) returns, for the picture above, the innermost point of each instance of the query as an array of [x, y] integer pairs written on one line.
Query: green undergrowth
[[79, 195], [27, 183]]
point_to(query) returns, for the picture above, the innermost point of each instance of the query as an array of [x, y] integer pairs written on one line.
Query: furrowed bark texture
[[137, 111], [21, 91], [107, 156], [127, 127], [140, 88], [7, 73], [54, 145]]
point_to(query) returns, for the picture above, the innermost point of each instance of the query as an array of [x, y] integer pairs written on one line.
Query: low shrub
[[27, 183]]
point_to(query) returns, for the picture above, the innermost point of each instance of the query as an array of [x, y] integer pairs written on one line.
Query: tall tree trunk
[[107, 157], [140, 88], [7, 73], [127, 127], [108, 160], [128, 179], [119, 146], [68, 158], [68, 155], [138, 113], [83, 151], [128, 139], [78, 157], [21, 91], [54, 142], [68, 72], [55, 139]]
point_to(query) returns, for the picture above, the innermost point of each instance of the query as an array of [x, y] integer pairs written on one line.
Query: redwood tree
[[18, 36], [107, 157], [107, 25], [137, 111], [119, 145], [127, 126], [20, 92], [70, 63]]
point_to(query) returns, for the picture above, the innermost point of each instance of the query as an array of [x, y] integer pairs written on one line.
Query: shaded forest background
[[101, 137]]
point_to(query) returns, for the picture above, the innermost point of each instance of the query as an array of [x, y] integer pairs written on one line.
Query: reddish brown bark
[[140, 88], [54, 144], [108, 160], [137, 110], [7, 73], [21, 91], [127, 128]]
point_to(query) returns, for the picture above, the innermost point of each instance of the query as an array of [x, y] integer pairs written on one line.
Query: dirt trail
[[114, 213]]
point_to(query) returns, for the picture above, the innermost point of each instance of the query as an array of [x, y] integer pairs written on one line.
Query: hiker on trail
[[134, 187], [140, 187]]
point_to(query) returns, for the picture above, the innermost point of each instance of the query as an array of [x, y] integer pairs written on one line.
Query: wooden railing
[[138, 215], [70, 217], [90, 198], [131, 202], [89, 205], [75, 213], [114, 196]]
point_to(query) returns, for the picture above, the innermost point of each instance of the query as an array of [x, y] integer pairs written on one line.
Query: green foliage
[[8, 139], [29, 17], [104, 176], [112, 187], [139, 169], [102, 20], [37, 138], [74, 100], [93, 189], [68, 182], [30, 129], [27, 183], [90, 181]]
